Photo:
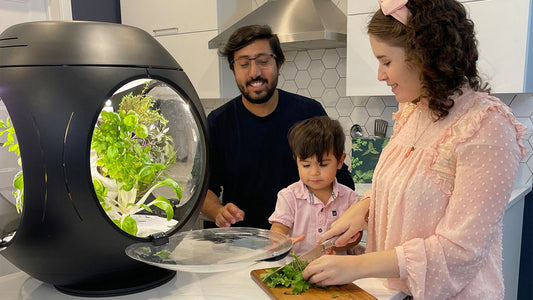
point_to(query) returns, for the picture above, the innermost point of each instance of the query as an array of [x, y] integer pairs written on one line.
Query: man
[[250, 158]]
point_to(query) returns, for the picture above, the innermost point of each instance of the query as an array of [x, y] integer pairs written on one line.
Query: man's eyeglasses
[[262, 61]]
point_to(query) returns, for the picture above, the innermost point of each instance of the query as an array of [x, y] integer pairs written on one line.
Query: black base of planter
[[119, 284]]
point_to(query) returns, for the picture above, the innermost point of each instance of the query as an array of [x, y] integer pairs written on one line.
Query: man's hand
[[223, 216], [297, 239], [228, 215]]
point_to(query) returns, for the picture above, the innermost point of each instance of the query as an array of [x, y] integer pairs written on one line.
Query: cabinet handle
[[166, 31]]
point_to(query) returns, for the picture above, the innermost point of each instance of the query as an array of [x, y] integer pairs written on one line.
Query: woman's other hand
[[332, 270], [343, 269]]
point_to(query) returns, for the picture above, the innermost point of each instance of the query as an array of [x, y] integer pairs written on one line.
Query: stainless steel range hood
[[299, 24]]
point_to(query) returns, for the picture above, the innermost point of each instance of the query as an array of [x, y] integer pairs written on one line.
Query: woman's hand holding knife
[[350, 224], [334, 269]]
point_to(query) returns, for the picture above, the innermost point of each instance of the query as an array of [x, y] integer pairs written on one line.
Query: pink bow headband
[[395, 8]]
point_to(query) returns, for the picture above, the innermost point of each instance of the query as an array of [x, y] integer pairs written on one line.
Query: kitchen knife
[[308, 257], [318, 250]]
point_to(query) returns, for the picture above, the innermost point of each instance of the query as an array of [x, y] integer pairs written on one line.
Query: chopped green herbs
[[289, 276]]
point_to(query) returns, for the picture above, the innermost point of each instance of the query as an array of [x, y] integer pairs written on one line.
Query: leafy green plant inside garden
[[13, 146], [130, 151]]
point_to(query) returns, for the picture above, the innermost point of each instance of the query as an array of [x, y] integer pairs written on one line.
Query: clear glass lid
[[213, 250]]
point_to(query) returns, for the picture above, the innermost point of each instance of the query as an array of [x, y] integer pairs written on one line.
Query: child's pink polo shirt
[[306, 214]]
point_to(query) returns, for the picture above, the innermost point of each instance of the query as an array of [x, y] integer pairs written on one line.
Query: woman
[[440, 188]]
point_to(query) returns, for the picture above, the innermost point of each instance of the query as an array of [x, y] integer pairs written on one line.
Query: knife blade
[[318, 250], [308, 257]]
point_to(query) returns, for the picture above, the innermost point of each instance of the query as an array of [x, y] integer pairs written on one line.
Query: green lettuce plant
[[13, 146], [131, 150]]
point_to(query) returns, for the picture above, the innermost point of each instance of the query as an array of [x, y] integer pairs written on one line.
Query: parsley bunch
[[289, 276]]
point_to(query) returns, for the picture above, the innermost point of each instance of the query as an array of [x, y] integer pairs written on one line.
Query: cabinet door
[[502, 32], [361, 65], [362, 6], [186, 16], [14, 12], [356, 7], [198, 62]]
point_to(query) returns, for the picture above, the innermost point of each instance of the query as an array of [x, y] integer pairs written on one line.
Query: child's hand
[[297, 239]]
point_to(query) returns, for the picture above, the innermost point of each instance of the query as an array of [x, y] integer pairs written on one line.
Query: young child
[[306, 209]]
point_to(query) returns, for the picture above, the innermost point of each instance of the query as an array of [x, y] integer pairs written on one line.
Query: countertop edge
[[518, 193]]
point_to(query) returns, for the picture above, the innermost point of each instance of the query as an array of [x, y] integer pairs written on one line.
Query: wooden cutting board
[[340, 292]]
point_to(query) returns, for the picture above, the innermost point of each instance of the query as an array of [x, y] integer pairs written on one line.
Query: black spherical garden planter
[[55, 78]]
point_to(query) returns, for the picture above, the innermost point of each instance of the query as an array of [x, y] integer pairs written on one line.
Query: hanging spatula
[[380, 127]]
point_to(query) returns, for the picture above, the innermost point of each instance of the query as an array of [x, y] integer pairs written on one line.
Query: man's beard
[[260, 100]]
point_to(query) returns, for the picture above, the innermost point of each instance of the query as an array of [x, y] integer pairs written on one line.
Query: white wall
[[18, 11]]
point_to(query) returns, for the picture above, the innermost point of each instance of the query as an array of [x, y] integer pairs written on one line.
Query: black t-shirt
[[250, 157]]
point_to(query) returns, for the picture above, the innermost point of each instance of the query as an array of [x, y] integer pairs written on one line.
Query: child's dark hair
[[317, 136]]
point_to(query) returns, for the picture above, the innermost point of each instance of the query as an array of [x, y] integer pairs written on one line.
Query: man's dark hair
[[317, 136], [245, 35]]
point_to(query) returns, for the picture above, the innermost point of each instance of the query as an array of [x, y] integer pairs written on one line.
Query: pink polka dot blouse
[[439, 193]]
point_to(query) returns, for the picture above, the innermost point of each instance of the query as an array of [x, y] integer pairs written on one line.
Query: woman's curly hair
[[440, 39]]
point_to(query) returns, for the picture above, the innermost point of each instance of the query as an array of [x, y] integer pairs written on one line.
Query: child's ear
[[341, 161]]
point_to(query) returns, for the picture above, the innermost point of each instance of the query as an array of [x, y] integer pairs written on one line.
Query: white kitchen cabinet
[[186, 16], [356, 7], [184, 28], [199, 63], [501, 29]]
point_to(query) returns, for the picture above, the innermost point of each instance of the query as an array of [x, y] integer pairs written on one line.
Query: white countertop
[[519, 191], [232, 285], [236, 284]]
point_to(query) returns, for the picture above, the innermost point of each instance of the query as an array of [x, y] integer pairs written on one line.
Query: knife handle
[[329, 243]]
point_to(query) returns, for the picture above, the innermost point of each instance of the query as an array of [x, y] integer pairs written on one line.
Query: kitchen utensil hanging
[[380, 127], [356, 131]]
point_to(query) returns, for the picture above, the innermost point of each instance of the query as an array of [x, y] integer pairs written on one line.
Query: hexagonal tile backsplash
[[321, 75]]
